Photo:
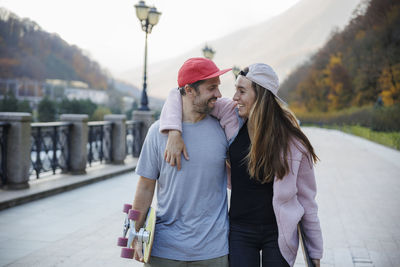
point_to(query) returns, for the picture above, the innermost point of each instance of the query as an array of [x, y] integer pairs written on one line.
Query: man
[[192, 220]]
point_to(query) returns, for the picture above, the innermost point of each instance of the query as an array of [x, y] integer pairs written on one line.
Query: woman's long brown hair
[[273, 128]]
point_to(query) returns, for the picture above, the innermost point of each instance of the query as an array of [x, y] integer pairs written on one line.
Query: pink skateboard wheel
[[133, 215], [122, 241], [127, 253], [126, 208]]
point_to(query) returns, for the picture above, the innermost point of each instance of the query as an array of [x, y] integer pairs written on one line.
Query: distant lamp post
[[208, 52], [235, 71], [148, 17]]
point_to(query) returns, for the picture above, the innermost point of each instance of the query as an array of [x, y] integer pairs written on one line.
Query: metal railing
[[133, 138], [56, 147], [99, 142], [3, 151], [50, 147]]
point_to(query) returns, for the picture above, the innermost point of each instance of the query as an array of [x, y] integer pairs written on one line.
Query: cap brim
[[219, 73], [280, 99]]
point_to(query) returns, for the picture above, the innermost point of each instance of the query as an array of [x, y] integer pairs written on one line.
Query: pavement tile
[[342, 257], [10, 255], [380, 259], [359, 253], [392, 251]]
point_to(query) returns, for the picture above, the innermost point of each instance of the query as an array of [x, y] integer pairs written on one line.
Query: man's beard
[[202, 106]]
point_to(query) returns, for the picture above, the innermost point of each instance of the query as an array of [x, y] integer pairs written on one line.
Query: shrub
[[385, 119]]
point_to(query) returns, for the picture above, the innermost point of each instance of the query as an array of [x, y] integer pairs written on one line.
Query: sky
[[110, 33]]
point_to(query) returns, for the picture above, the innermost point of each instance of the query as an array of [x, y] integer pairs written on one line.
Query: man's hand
[[175, 147], [143, 198], [316, 263], [138, 247]]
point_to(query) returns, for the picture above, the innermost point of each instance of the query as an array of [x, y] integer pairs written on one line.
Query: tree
[[76, 106], [356, 66], [99, 113], [24, 106], [26, 50], [338, 83], [47, 110], [9, 103], [389, 82]]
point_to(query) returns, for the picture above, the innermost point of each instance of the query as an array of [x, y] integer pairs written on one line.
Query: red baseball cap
[[196, 69]]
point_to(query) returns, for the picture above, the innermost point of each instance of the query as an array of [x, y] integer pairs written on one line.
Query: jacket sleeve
[[306, 193], [225, 112], [171, 113]]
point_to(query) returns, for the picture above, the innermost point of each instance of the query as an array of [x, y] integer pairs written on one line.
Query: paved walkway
[[50, 184], [359, 200]]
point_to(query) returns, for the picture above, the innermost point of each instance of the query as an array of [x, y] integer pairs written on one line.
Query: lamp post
[[208, 52], [235, 71], [148, 17]]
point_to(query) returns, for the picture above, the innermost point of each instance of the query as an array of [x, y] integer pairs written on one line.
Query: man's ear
[[188, 89]]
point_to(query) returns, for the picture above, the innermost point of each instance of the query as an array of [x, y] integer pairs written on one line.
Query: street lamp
[[148, 17], [208, 52], [235, 71]]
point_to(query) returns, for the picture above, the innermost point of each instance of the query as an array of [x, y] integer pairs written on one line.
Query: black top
[[251, 201]]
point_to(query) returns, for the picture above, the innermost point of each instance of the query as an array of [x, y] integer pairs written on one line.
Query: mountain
[[27, 51], [284, 42], [358, 66]]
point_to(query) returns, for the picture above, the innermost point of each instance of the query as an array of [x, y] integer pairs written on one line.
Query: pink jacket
[[294, 195]]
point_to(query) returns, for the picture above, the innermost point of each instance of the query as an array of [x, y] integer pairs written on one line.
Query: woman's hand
[[316, 263], [175, 147]]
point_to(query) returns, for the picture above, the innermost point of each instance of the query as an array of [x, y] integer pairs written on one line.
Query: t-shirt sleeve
[[148, 163]]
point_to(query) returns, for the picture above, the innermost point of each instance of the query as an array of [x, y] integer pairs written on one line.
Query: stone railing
[[71, 145]]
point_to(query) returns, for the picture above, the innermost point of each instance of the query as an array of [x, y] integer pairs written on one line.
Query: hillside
[[27, 51], [284, 42], [358, 66]]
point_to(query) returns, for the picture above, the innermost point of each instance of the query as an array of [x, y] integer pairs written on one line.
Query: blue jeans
[[246, 241]]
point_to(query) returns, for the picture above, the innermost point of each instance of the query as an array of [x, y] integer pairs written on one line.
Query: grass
[[390, 139]]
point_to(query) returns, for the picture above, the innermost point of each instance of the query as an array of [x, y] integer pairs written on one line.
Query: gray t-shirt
[[192, 211]]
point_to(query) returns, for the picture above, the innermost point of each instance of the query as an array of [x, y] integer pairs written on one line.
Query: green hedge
[[385, 119]]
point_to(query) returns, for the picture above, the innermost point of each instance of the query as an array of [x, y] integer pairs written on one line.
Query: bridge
[[358, 196]]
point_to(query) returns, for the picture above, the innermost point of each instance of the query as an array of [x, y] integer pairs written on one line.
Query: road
[[358, 196]]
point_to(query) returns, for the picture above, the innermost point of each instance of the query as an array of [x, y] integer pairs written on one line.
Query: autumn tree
[[357, 65]]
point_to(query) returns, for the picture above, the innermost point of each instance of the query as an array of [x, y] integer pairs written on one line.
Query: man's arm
[[143, 198]]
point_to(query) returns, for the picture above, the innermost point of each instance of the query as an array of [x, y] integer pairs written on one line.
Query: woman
[[272, 177]]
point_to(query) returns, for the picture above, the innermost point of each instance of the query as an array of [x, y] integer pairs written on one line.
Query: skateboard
[[307, 260], [145, 235]]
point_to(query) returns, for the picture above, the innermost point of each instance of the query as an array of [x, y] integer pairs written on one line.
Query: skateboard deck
[[145, 235], [150, 225]]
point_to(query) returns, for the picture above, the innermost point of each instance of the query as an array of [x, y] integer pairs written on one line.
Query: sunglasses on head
[[243, 73]]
